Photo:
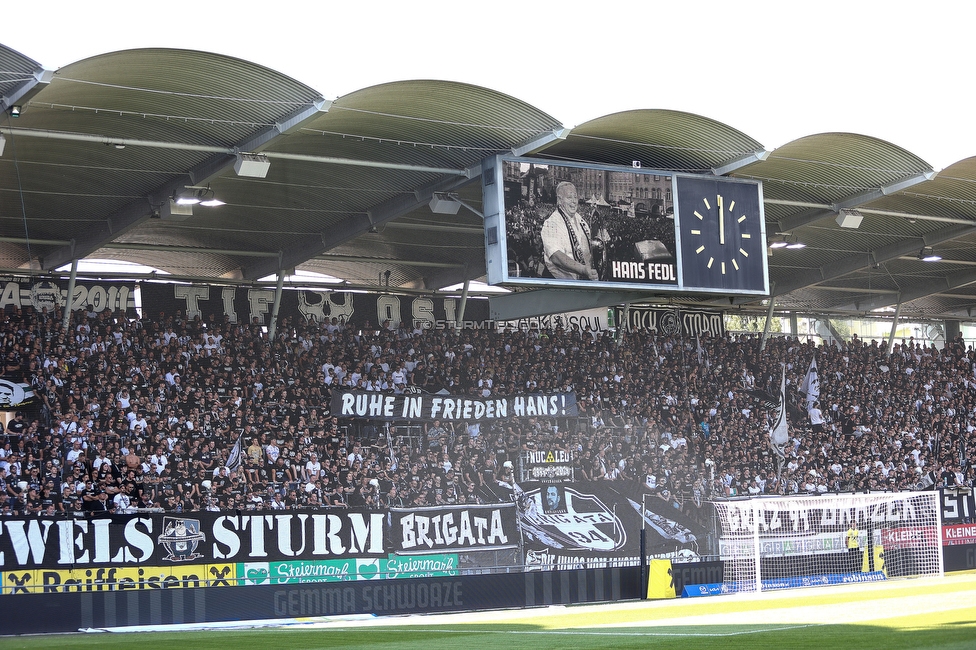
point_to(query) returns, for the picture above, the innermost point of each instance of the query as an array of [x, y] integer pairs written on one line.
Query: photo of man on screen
[[570, 224], [566, 238]]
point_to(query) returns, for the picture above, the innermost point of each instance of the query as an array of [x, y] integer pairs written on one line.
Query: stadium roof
[[101, 146]]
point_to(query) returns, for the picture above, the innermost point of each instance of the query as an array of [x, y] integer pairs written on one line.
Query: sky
[[777, 71]]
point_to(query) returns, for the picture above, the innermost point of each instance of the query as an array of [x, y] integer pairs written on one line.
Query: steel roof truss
[[924, 290], [727, 168], [859, 261], [138, 211], [861, 198], [23, 92]]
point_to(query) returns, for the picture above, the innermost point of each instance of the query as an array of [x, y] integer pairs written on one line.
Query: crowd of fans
[[146, 413]]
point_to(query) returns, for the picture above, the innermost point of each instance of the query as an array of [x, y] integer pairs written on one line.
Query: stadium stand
[[146, 414]]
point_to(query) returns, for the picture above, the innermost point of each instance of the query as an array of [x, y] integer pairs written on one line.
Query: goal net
[[782, 542]]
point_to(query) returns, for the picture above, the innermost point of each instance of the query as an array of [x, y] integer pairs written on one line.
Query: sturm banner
[[247, 305], [45, 295], [687, 323], [450, 408], [958, 505], [197, 538]]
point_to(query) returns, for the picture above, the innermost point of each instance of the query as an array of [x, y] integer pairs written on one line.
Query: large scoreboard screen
[[569, 225]]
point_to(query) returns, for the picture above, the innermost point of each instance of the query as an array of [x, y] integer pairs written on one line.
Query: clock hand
[[721, 220]]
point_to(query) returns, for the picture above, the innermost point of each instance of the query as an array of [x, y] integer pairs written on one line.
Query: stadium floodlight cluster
[[782, 542]]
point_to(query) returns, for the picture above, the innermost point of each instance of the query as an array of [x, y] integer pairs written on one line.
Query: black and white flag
[[236, 453], [811, 384]]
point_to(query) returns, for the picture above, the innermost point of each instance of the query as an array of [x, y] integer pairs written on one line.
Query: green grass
[[949, 632], [909, 614]]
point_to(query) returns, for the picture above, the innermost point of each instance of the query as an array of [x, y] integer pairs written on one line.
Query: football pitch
[[920, 613]]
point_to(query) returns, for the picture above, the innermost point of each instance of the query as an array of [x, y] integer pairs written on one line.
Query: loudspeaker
[[849, 220], [252, 165]]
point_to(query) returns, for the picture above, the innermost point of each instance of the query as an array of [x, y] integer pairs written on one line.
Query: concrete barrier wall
[[68, 612]]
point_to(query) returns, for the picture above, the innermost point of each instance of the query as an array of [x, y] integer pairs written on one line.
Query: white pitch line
[[581, 632], [584, 632]]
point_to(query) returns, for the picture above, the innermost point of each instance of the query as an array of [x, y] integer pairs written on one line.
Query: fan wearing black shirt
[[17, 426]]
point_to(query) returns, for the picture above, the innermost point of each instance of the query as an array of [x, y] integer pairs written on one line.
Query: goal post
[[781, 542]]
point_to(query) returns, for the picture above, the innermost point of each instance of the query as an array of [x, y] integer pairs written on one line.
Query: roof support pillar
[[769, 323], [273, 326], [894, 326], [464, 301], [66, 317]]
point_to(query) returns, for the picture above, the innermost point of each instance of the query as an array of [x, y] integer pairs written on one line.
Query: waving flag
[[779, 434], [811, 384], [236, 453]]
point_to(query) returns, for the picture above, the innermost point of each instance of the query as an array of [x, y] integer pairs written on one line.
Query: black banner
[[958, 505], [593, 521], [589, 320], [672, 322], [596, 525], [198, 538], [243, 305], [374, 405], [453, 528], [47, 294]]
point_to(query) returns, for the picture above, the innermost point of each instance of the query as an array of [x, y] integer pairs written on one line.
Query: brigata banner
[[449, 408], [191, 538], [454, 528]]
